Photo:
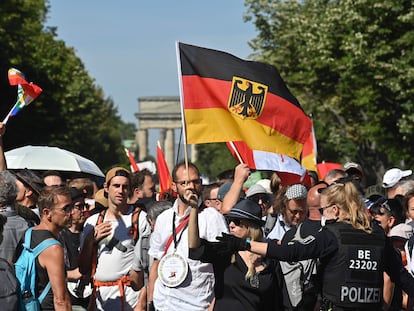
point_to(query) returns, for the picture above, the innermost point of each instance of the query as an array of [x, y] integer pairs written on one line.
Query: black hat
[[30, 179], [76, 194], [247, 209]]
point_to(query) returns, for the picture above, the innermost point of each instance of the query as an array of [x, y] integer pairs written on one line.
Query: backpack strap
[[36, 252], [44, 292], [101, 217], [135, 222]]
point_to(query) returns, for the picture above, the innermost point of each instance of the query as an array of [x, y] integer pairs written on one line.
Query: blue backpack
[[25, 269]]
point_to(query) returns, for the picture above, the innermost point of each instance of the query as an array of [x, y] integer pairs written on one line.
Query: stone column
[[162, 138], [142, 140], [169, 143], [193, 153]]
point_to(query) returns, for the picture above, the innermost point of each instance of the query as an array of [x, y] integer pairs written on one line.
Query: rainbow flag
[[27, 92]]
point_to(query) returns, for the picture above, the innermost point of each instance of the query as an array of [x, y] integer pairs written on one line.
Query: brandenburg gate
[[163, 113]]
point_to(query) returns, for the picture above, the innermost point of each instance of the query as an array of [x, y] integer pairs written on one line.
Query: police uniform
[[352, 265]]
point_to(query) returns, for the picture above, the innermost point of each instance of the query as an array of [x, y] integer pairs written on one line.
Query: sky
[[128, 46]]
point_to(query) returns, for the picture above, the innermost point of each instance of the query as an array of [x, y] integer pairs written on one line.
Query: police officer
[[353, 253]]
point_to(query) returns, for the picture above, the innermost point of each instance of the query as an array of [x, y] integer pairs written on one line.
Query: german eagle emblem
[[247, 98]]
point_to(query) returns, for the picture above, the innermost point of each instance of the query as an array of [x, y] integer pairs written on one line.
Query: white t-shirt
[[114, 263], [197, 291]]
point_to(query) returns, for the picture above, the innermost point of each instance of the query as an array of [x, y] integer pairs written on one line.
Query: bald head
[[313, 201]]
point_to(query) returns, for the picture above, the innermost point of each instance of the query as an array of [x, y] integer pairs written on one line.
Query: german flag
[[225, 98]]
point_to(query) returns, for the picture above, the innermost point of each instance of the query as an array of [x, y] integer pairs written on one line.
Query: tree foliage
[[213, 159], [351, 65], [72, 112]]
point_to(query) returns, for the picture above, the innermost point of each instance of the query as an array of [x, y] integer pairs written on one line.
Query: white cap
[[394, 175], [265, 183]]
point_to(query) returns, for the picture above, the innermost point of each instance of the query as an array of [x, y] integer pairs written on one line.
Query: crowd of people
[[332, 245]]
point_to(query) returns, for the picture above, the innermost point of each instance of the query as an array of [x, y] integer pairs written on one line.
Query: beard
[[193, 199]]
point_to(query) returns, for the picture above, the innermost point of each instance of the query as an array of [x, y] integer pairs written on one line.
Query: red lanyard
[[180, 227]]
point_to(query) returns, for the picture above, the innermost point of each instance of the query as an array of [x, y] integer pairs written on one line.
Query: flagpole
[[10, 112], [236, 152], [180, 84]]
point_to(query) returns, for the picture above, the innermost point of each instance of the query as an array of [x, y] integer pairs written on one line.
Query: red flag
[[163, 171], [16, 77], [225, 98], [289, 170], [325, 167], [134, 165]]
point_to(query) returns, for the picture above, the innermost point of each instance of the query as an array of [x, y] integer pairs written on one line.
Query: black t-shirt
[[71, 244], [232, 290], [42, 278]]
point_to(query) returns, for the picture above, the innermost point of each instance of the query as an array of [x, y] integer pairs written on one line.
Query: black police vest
[[353, 278]]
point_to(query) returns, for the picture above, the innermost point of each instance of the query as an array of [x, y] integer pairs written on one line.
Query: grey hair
[[156, 209], [8, 189], [405, 186]]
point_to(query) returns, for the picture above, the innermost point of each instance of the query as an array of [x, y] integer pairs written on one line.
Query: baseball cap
[[255, 189], [247, 209], [100, 199], [265, 183], [224, 188], [352, 166], [296, 192], [401, 231], [116, 171], [393, 176]]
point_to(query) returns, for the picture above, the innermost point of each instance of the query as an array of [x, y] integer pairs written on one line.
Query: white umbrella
[[50, 158]]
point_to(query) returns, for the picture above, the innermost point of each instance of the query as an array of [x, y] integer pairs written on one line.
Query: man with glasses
[[290, 206], [56, 208], [182, 284], [389, 213], [210, 196], [78, 284]]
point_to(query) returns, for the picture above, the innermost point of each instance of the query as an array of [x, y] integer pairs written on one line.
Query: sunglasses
[[67, 209], [257, 198], [81, 206], [236, 221]]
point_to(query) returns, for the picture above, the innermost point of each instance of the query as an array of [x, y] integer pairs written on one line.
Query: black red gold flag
[[225, 98]]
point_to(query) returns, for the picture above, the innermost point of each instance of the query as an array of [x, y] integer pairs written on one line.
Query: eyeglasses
[[236, 221], [296, 211], [80, 206], [67, 209], [325, 207], [260, 197], [195, 182]]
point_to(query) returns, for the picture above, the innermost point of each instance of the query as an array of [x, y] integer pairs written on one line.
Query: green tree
[[214, 158], [350, 63], [72, 112]]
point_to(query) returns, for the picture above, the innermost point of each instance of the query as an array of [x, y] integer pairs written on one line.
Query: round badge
[[172, 269]]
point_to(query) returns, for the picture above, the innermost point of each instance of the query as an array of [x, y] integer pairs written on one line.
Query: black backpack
[[8, 287]]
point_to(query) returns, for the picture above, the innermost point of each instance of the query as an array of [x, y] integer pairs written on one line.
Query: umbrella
[[50, 158]]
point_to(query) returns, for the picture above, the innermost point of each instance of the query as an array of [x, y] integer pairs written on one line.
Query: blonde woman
[[353, 252], [244, 280]]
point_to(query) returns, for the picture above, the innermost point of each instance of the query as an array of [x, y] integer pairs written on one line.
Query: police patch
[[247, 98]]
